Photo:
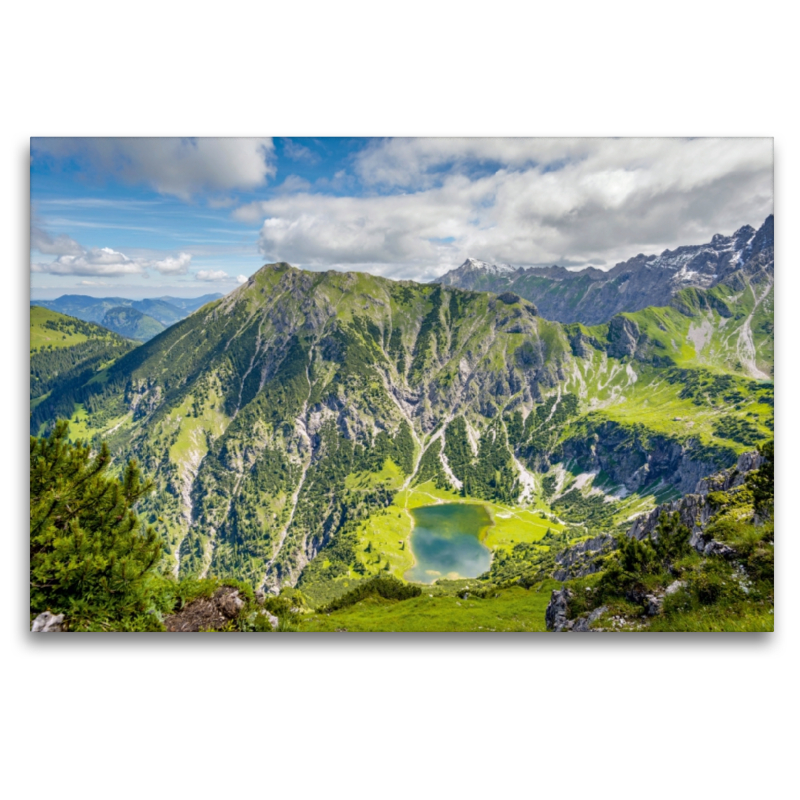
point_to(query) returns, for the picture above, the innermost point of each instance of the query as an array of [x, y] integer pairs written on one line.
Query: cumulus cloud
[[241, 279], [535, 201], [101, 261], [213, 275], [178, 265], [408, 162], [177, 166], [294, 183], [74, 259]]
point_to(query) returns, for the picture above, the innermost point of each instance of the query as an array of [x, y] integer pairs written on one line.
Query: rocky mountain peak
[[485, 266], [765, 236], [746, 231]]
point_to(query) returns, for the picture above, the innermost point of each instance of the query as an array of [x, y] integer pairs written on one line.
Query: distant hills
[[592, 296], [133, 319]]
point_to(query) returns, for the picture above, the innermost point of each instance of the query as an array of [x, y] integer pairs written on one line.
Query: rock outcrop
[[584, 558], [695, 510], [623, 337], [731, 478], [48, 623], [207, 613], [584, 624], [634, 458], [271, 618], [556, 616]]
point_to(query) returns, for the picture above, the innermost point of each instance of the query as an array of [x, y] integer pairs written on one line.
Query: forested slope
[[66, 352]]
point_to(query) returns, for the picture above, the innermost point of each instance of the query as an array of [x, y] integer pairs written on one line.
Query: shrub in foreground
[[90, 556]]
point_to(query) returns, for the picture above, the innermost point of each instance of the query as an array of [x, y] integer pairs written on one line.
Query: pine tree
[[673, 537], [90, 557], [762, 482]]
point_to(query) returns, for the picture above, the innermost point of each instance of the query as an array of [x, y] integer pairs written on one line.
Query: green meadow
[[511, 609]]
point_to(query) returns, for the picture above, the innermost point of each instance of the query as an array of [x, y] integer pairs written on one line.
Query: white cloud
[[101, 261], [294, 183], [539, 201], [242, 278], [174, 265], [180, 167], [74, 259], [410, 162], [94, 283], [212, 275]]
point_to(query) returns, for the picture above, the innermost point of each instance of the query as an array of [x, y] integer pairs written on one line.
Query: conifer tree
[[673, 537], [90, 556]]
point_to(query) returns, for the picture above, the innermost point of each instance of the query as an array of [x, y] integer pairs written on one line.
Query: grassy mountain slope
[[66, 351], [290, 425]]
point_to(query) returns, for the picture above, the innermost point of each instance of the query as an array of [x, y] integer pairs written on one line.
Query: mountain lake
[[446, 542]]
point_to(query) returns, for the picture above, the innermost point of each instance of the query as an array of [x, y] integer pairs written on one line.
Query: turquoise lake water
[[446, 542]]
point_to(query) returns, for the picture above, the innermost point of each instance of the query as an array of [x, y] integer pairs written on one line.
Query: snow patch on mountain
[[485, 266]]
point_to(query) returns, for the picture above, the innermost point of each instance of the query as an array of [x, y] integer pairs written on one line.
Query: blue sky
[[146, 217], [98, 204]]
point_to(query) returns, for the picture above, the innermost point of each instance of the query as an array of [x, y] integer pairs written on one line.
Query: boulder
[[595, 615], [715, 548], [556, 615], [584, 624], [652, 605], [229, 602], [48, 623], [273, 620], [584, 558]]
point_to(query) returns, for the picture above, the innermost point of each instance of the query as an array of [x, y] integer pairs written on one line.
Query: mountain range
[[592, 296], [133, 319], [291, 425]]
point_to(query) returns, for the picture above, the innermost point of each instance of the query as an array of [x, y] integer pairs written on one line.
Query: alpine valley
[[292, 426]]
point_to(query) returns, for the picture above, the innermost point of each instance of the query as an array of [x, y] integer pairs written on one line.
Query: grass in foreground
[[738, 619], [511, 609]]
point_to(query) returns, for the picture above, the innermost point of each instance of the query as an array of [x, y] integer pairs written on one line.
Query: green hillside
[[65, 353], [291, 425], [49, 329], [132, 323]]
